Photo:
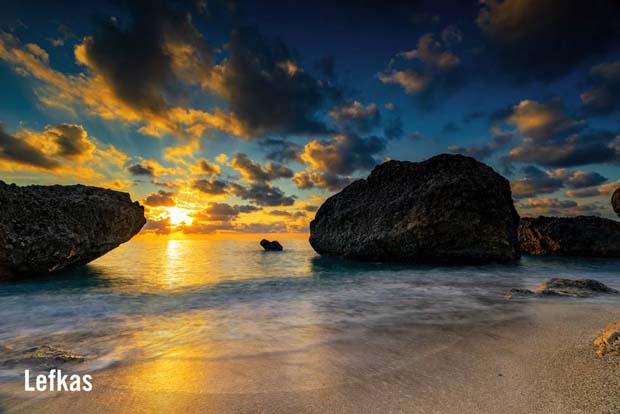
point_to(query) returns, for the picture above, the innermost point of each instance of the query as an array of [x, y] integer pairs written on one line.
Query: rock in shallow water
[[609, 340], [274, 246], [448, 209], [615, 201], [586, 236], [564, 287], [48, 228]]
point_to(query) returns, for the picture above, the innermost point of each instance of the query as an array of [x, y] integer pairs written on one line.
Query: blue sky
[[240, 117]]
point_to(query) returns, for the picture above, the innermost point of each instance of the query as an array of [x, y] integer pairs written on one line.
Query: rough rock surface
[[570, 236], [271, 245], [447, 209], [564, 287], [608, 342], [40, 356], [48, 228], [615, 201]]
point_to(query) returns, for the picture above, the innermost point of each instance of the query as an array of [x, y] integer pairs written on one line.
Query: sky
[[241, 117]]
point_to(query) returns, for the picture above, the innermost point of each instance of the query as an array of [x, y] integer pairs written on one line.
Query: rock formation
[[608, 342], [615, 201], [274, 246], [564, 287], [570, 236], [447, 209], [48, 228]]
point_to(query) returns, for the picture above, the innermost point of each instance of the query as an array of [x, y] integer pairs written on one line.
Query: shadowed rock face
[[570, 236], [615, 201], [448, 209], [48, 228]]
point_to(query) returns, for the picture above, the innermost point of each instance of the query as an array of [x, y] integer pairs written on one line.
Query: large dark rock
[[48, 228], [570, 236], [448, 209], [564, 287], [615, 201]]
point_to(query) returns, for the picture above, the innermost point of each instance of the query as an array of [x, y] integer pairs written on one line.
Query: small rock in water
[[564, 287], [615, 201], [45, 355], [609, 340], [273, 246]]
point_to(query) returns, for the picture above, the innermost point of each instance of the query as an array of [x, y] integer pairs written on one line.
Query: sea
[[231, 299]]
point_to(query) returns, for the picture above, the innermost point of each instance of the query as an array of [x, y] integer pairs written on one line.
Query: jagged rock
[[564, 287], [570, 236], [615, 201], [45, 356], [447, 209], [48, 228], [274, 246], [608, 342]]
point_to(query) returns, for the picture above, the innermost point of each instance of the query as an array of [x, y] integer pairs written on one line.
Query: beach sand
[[542, 360]]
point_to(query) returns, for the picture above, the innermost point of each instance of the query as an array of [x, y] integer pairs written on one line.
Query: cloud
[[544, 39], [500, 140], [435, 70], [450, 128], [603, 97], [325, 180], [207, 168], [262, 194], [225, 212], [156, 226], [138, 169], [20, 151], [72, 141], [354, 116], [551, 137], [537, 181], [252, 171], [281, 150], [160, 199], [393, 128], [557, 207], [343, 154], [211, 187], [266, 89]]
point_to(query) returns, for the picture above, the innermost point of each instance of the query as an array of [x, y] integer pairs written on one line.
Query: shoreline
[[542, 360]]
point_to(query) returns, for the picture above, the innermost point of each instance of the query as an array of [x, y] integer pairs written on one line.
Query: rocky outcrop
[[564, 287], [570, 236], [608, 342], [273, 246], [40, 356], [448, 209], [48, 228], [615, 201]]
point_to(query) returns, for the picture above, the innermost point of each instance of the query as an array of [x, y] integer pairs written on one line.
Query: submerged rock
[[564, 287], [271, 245], [570, 236], [48, 228], [615, 201], [447, 209], [608, 342], [42, 356]]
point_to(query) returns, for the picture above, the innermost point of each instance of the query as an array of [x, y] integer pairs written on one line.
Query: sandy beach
[[540, 361]]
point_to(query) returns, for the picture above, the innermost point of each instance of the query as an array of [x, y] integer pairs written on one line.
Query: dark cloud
[[323, 180], [500, 140], [355, 117], [268, 91], [208, 168], [450, 128], [603, 97], [17, 150], [225, 212], [280, 213], [472, 116], [157, 226], [543, 39], [262, 194], [538, 181], [139, 169], [160, 199], [393, 128], [281, 150], [344, 154], [252, 171], [144, 59], [72, 141], [211, 187], [429, 72]]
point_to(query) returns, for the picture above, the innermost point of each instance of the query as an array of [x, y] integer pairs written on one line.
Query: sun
[[178, 215]]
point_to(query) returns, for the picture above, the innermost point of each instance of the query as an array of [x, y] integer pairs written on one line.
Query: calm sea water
[[228, 299]]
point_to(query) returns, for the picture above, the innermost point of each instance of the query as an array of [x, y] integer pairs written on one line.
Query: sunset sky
[[242, 117]]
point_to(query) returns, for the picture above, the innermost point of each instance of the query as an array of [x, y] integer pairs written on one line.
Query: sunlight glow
[[178, 215]]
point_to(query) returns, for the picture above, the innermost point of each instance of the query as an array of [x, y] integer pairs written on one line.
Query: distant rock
[[40, 356], [564, 287], [615, 201], [570, 236], [447, 209], [48, 228], [608, 342], [273, 246]]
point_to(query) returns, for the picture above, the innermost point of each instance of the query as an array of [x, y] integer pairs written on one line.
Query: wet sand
[[540, 361]]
